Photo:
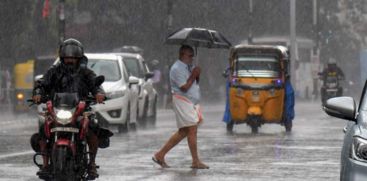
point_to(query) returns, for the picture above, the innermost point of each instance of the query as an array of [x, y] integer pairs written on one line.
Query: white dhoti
[[187, 114]]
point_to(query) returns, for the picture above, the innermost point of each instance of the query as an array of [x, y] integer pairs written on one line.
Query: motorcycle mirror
[[99, 80]]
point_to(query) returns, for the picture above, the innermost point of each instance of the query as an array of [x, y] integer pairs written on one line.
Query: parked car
[[120, 108], [354, 150], [148, 97]]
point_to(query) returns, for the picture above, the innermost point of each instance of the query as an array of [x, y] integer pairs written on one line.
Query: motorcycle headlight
[[359, 149], [63, 116]]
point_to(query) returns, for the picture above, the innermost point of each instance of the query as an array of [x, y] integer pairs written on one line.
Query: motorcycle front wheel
[[63, 165]]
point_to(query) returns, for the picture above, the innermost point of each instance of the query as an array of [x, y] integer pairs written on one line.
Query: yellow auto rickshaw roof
[[282, 51]]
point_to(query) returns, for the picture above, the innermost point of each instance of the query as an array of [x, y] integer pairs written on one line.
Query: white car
[[148, 97], [120, 108]]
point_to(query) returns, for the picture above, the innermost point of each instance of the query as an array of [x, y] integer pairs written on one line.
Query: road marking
[[16, 154]]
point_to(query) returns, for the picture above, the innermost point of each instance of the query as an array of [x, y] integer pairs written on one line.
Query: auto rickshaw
[[257, 77]]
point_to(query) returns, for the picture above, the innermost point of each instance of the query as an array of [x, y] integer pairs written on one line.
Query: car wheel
[[153, 117], [143, 119], [124, 128], [133, 127]]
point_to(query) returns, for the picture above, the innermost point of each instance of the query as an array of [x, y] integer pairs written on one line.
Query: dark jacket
[[332, 70], [59, 79]]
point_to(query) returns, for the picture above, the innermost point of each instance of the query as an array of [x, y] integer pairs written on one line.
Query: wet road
[[311, 152]]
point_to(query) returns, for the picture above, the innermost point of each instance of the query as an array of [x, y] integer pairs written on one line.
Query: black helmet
[[71, 48]]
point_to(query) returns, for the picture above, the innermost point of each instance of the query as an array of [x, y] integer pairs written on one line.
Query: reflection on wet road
[[311, 152]]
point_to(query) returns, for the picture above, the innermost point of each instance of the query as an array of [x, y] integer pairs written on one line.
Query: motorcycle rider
[[331, 69], [70, 75]]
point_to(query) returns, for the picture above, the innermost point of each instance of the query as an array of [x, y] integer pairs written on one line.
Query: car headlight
[[359, 149], [116, 94], [63, 116]]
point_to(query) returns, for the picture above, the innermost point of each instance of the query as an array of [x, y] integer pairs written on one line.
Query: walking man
[[184, 77]]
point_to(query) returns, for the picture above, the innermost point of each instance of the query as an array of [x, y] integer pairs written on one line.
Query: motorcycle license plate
[[65, 129]]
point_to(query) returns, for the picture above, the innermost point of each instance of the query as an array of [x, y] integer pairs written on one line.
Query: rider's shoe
[[92, 171], [43, 172]]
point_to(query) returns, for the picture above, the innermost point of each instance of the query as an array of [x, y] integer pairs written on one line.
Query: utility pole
[[293, 40], [315, 26], [315, 56], [61, 19], [166, 64], [251, 16]]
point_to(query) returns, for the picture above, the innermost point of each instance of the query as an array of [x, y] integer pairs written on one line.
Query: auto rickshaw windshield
[[255, 66]]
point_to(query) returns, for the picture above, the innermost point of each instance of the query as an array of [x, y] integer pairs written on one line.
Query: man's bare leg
[[43, 148], [173, 141], [92, 141], [192, 142]]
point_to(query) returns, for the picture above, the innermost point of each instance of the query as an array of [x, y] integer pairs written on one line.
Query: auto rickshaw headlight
[[278, 82], [359, 149]]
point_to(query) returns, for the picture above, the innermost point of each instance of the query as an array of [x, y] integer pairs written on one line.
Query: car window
[[109, 69], [132, 65]]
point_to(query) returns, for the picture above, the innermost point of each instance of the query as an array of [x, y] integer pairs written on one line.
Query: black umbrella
[[198, 37]]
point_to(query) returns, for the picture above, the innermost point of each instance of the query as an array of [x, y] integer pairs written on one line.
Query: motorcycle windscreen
[[65, 100]]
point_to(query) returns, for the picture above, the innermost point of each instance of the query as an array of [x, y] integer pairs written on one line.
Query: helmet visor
[[72, 51]]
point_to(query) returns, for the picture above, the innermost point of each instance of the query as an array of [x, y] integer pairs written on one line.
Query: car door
[[149, 88], [134, 68], [133, 94]]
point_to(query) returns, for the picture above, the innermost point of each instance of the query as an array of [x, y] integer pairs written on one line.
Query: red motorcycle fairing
[[47, 128], [48, 120], [50, 108], [79, 110]]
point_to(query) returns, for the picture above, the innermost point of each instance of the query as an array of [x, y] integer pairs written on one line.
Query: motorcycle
[[331, 88], [66, 126]]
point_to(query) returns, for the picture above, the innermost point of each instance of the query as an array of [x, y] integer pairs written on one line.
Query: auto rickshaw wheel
[[230, 126], [254, 129]]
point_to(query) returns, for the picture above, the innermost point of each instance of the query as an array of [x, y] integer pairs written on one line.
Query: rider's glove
[[36, 99], [100, 97]]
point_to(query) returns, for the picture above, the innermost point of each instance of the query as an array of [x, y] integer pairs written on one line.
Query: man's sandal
[[159, 162]]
